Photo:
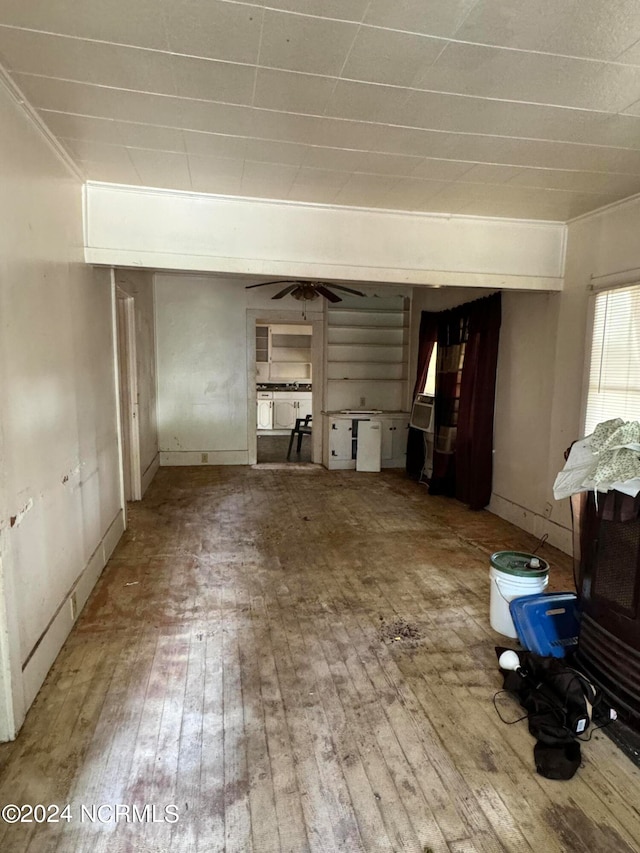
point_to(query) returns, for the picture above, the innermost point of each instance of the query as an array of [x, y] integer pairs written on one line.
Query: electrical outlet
[[204, 458], [73, 602], [363, 401], [548, 508]]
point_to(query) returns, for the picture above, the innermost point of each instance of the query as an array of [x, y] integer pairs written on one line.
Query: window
[[430, 382], [614, 373]]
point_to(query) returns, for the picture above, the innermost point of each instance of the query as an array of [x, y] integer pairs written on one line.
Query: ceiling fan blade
[[348, 289], [265, 283], [285, 291], [327, 294]]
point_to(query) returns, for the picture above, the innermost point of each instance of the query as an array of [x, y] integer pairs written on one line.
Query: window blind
[[614, 374]]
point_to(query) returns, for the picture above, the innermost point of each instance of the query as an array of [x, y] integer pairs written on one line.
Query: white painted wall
[[202, 369], [206, 386], [139, 285], [544, 345], [133, 226], [60, 513]]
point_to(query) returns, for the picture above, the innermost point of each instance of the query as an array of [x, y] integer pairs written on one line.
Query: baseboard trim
[[533, 522], [150, 473], [194, 457], [47, 648]]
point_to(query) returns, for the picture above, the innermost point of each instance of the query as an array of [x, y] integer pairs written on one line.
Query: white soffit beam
[[172, 230]]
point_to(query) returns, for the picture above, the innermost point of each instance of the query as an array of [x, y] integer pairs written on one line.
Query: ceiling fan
[[306, 291]]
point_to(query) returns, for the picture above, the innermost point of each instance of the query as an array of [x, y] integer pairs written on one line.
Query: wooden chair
[[302, 428]]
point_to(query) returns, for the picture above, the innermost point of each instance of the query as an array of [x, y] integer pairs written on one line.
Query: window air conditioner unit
[[422, 413]]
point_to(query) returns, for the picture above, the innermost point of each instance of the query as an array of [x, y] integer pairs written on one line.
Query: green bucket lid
[[517, 563]]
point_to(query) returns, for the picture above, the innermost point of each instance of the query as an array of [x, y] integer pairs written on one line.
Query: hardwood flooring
[[239, 660]]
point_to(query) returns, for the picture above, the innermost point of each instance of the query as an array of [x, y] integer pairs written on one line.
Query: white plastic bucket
[[511, 578]]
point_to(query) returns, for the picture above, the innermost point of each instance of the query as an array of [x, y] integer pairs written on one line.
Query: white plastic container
[[513, 574]]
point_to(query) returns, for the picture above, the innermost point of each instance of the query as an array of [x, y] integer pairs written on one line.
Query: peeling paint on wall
[[17, 519]]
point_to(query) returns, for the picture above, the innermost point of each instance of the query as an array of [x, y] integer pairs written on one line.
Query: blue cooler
[[547, 624]]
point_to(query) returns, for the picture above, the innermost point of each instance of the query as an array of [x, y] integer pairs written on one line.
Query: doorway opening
[[284, 392], [128, 396]]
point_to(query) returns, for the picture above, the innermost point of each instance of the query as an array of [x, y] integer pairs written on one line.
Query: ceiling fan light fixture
[[305, 292]]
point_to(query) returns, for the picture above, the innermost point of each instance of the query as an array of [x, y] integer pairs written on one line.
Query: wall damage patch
[[16, 520]]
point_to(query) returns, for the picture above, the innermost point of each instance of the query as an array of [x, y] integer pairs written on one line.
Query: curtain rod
[[615, 279]]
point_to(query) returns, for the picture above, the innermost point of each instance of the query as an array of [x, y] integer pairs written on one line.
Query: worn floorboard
[[300, 661]]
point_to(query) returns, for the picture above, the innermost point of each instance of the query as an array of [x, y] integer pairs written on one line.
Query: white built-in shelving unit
[[367, 354]]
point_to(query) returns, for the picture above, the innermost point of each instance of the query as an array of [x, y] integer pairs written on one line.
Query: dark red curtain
[[467, 339], [474, 439], [427, 338]]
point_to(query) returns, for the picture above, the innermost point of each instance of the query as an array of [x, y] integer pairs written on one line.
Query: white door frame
[[269, 317], [128, 394]]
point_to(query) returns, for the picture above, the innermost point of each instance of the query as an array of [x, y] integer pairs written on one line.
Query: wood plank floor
[[238, 659]]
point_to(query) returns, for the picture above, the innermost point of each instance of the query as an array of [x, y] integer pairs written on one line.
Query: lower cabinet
[[282, 408], [264, 415], [340, 446]]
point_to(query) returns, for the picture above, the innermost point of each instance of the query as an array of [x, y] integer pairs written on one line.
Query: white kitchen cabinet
[[284, 413], [287, 406], [283, 353], [264, 417]]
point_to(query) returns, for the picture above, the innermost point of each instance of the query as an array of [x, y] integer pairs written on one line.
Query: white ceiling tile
[[337, 159], [497, 73], [312, 193], [585, 182], [365, 189], [128, 68], [310, 176], [404, 140], [353, 10], [82, 127], [218, 118], [367, 102], [214, 29], [119, 21], [618, 86], [151, 136], [64, 96], [140, 107], [631, 56], [436, 18], [589, 28], [210, 80], [487, 173], [268, 151], [207, 167], [311, 130], [98, 152], [40, 53], [494, 131], [216, 184], [312, 45], [292, 92], [389, 164], [255, 172], [440, 170], [385, 56], [214, 144], [113, 173], [161, 168], [412, 193]]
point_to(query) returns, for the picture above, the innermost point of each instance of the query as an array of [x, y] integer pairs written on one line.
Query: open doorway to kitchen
[[284, 392], [285, 367]]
